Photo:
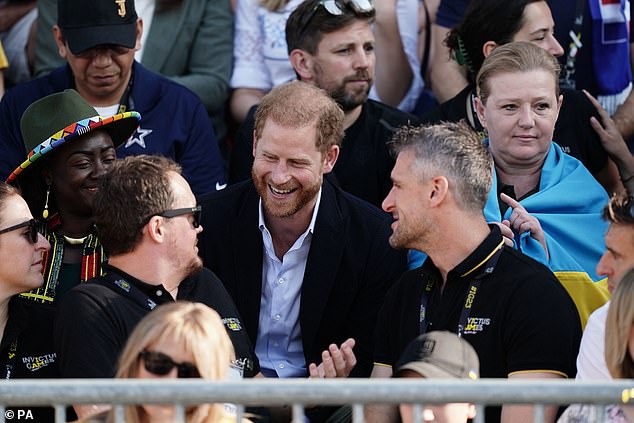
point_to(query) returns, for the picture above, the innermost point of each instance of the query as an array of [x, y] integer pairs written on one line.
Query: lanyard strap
[[127, 103], [488, 266], [13, 351], [118, 284]]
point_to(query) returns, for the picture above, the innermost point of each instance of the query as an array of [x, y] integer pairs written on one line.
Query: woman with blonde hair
[[184, 340], [619, 329]]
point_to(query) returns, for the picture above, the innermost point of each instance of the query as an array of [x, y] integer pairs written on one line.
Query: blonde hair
[[515, 57], [200, 331], [618, 326]]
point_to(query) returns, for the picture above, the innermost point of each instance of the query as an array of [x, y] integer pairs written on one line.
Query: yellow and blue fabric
[[568, 205]]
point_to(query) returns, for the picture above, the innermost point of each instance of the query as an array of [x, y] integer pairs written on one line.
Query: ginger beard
[[287, 199]]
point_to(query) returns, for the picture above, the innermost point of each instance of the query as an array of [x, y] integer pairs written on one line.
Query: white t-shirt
[[591, 359]]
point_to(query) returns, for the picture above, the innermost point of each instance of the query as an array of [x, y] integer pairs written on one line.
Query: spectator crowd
[[226, 189]]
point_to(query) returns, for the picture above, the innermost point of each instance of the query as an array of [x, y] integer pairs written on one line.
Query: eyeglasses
[[336, 8], [31, 224], [161, 364], [195, 211]]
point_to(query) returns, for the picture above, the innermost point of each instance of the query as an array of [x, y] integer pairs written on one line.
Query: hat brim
[[427, 370], [120, 127], [82, 39]]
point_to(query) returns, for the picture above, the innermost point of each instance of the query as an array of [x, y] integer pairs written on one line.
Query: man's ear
[[139, 32], [439, 190], [62, 50], [155, 229], [302, 64], [330, 158]]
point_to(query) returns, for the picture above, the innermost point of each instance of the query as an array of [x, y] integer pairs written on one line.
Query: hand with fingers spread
[[609, 134], [336, 361], [614, 144], [522, 221]]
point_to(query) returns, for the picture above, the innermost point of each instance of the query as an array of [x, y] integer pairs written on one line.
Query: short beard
[[347, 100], [306, 195]]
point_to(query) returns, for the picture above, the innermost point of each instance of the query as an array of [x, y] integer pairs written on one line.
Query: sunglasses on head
[[195, 211], [161, 364], [624, 206], [336, 8], [31, 224]]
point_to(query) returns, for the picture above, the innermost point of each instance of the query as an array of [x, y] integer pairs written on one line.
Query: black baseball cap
[[87, 24]]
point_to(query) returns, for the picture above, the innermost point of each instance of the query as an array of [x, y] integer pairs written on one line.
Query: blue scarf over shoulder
[[568, 206]]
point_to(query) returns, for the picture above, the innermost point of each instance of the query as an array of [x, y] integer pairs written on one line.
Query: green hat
[[54, 120]]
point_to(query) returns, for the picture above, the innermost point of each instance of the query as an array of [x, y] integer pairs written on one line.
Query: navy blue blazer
[[349, 269]]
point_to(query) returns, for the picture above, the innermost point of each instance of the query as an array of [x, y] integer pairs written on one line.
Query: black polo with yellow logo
[[518, 317]]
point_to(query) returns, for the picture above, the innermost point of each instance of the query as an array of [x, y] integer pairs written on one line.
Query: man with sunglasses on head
[[148, 222], [331, 45], [617, 259], [98, 40]]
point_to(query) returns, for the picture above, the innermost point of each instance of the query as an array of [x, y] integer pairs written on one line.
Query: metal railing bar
[[298, 413], [357, 413]]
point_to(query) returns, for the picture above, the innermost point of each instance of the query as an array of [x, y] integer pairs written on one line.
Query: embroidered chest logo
[[232, 323], [138, 137], [35, 363], [476, 324], [122, 284]]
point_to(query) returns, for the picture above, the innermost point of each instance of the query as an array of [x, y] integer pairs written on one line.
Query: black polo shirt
[[95, 319], [26, 351], [521, 318]]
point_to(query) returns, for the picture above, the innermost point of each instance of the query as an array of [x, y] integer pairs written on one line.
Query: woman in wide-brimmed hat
[[70, 146]]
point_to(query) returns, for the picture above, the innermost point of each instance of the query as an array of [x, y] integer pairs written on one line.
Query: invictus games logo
[[35, 363], [123, 284], [476, 324], [232, 323]]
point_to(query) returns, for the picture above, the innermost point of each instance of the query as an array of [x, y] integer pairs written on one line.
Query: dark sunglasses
[[31, 224], [195, 211], [161, 364], [336, 8]]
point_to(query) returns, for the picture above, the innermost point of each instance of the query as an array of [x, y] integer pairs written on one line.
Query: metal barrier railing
[[301, 392]]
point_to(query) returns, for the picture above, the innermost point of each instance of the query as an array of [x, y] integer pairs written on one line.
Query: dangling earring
[[45, 212]]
